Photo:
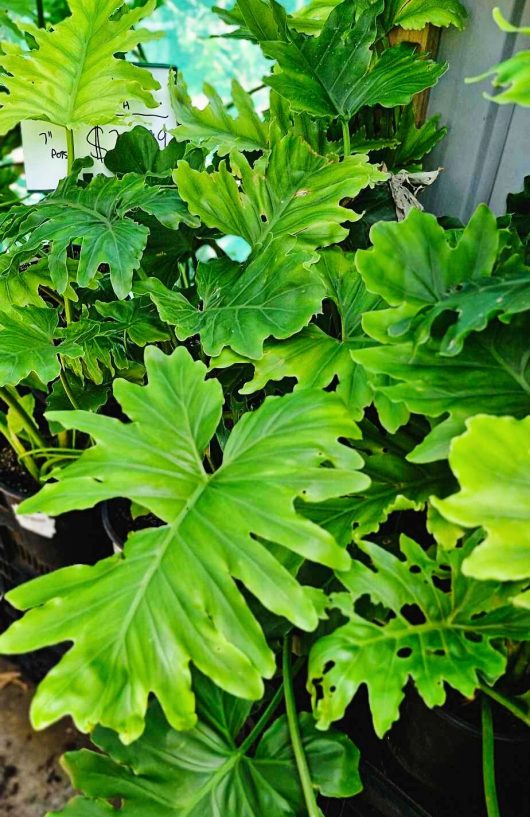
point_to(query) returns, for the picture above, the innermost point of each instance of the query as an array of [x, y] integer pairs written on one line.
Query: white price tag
[[36, 523], [44, 145]]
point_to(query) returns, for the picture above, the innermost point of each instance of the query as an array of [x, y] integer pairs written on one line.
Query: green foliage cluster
[[325, 432]]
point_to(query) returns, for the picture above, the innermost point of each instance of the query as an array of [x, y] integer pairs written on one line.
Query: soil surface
[[32, 781], [14, 476]]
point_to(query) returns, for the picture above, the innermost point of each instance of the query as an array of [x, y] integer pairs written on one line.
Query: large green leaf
[[337, 73], [27, 345], [415, 142], [492, 464], [433, 637], [409, 14], [207, 771], [275, 295], [137, 621], [416, 14], [138, 151], [292, 193], [106, 344], [213, 127], [491, 375], [287, 203], [80, 80], [395, 485], [100, 219], [513, 74], [413, 266], [312, 357]]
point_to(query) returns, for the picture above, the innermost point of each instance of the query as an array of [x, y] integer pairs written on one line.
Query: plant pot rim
[[115, 538], [461, 723]]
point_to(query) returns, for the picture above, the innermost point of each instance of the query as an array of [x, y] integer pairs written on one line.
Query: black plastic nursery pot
[[118, 522], [430, 763], [381, 797], [34, 545], [441, 750]]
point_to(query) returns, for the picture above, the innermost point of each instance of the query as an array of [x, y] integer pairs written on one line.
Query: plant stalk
[[67, 310], [41, 22], [346, 138], [488, 760], [296, 738], [506, 702], [263, 721], [68, 391], [70, 151], [24, 456], [10, 398]]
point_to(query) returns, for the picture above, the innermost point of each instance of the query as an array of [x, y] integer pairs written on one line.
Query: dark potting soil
[[13, 475]]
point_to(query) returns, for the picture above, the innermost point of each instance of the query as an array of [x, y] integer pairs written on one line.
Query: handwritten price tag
[[44, 145]]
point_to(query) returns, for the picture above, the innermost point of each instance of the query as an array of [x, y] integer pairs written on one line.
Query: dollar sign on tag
[[93, 138]]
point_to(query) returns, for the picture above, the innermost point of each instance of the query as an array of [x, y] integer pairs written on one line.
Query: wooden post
[[428, 40]]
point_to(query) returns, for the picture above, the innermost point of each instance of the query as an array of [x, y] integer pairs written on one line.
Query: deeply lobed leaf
[[434, 637], [213, 127], [274, 295], [137, 621], [292, 193], [491, 461], [99, 218], [336, 73], [27, 345], [80, 80]]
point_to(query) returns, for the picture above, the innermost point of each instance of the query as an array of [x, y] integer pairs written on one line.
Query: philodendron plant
[[275, 403]]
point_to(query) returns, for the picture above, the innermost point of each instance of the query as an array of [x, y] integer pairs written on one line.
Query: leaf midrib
[[80, 69], [154, 567]]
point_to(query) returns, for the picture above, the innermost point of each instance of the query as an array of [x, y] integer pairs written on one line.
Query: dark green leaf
[[335, 74], [137, 151], [100, 219], [204, 773]]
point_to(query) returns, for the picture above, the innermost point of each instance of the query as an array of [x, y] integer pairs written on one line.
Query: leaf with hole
[[430, 636]]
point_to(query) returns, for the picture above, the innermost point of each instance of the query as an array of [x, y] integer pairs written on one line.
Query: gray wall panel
[[487, 151]]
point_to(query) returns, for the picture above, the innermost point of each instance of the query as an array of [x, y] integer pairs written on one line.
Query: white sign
[[44, 145], [36, 523]]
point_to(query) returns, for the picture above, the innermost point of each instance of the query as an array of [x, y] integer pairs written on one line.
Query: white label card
[[44, 145], [36, 523]]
